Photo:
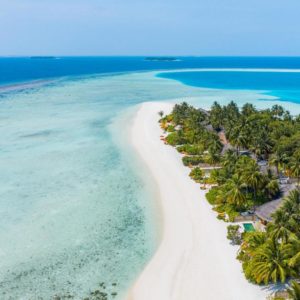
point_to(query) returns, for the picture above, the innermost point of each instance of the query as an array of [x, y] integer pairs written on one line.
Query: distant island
[[161, 59], [42, 57]]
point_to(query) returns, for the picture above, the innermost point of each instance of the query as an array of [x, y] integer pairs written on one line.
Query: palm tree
[[231, 111], [278, 228], [194, 120], [294, 290], [293, 250], [287, 116], [271, 188], [215, 116], [261, 144], [229, 160], [294, 167], [295, 260], [236, 191], [278, 160], [248, 109], [292, 202], [161, 113], [249, 171], [239, 139], [215, 144], [245, 165], [197, 174], [253, 180], [277, 110], [252, 241], [269, 263], [213, 158], [179, 113], [291, 209]]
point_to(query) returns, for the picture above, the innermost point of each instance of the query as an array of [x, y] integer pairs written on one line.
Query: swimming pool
[[248, 227]]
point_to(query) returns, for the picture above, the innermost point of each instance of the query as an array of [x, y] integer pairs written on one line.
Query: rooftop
[[266, 210]]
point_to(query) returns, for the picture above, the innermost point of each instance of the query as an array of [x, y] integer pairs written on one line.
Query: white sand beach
[[194, 260]]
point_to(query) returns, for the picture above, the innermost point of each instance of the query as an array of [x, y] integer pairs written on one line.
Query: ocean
[[23, 69], [77, 206], [280, 83]]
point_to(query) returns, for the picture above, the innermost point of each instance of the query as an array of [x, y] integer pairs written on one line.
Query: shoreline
[[194, 259]]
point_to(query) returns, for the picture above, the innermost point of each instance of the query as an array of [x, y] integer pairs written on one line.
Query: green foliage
[[190, 149], [248, 110], [169, 118], [231, 212], [234, 234], [184, 113], [221, 216], [212, 158], [216, 116], [270, 134], [212, 195], [170, 128], [217, 176], [269, 263], [197, 174], [236, 191], [286, 220], [294, 165], [259, 131], [241, 183], [174, 139], [274, 255], [192, 160], [294, 290]]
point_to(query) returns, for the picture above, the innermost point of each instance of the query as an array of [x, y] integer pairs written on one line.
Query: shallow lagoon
[[76, 206]]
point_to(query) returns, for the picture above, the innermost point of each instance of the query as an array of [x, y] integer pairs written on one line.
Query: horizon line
[[188, 56]]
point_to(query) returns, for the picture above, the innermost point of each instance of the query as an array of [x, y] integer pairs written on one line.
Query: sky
[[150, 27]]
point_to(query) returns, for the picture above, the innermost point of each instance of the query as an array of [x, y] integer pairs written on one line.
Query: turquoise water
[[74, 210], [284, 85], [248, 227], [77, 206]]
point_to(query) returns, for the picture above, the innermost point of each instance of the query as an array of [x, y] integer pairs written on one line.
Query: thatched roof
[[265, 211], [204, 111], [209, 128]]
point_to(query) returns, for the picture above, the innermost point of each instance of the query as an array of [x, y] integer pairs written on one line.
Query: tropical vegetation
[[234, 234], [274, 255], [248, 151], [294, 290]]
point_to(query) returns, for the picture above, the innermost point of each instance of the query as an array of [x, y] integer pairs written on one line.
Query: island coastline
[[194, 259]]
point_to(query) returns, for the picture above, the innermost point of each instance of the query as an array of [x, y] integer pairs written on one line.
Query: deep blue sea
[[77, 206], [284, 85], [22, 69]]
